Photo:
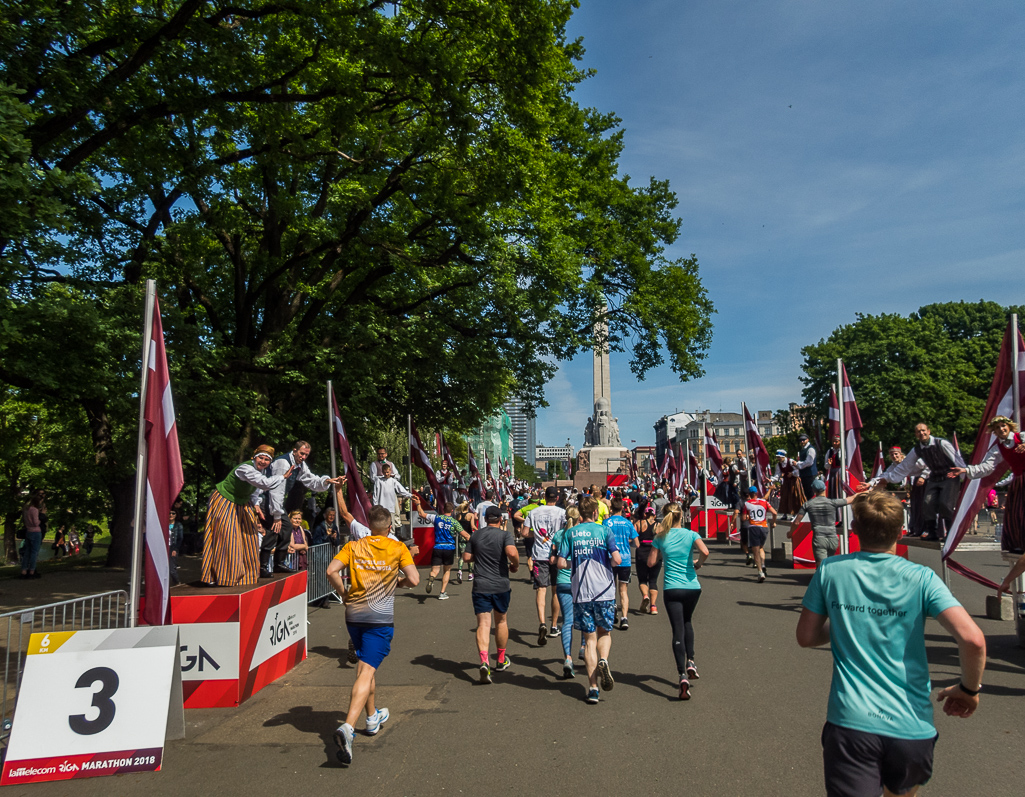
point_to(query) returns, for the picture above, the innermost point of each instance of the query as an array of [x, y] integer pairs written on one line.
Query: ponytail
[[672, 517]]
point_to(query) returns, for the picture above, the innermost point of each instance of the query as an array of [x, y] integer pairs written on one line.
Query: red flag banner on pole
[[670, 471], [693, 467], [355, 493], [880, 463], [713, 454], [974, 491], [759, 453], [422, 461], [164, 476], [852, 426], [681, 472], [472, 465]]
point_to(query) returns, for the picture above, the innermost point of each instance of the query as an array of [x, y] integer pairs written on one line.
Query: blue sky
[[830, 158]]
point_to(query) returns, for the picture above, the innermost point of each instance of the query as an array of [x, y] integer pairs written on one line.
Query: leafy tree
[[935, 365], [523, 470], [402, 197]]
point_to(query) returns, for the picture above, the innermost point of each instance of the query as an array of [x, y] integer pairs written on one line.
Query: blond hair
[[572, 517], [878, 518]]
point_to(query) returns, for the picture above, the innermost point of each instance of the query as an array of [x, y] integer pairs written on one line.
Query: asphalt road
[[752, 727]]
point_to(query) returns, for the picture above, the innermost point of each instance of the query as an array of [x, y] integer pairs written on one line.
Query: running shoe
[[430, 584], [443, 596], [485, 674], [351, 655], [654, 610], [684, 689], [567, 669], [605, 675], [343, 738], [692, 670], [624, 624], [471, 576], [761, 576], [542, 635], [502, 666], [375, 722], [750, 560], [581, 655], [556, 630], [645, 605], [459, 576], [592, 695]]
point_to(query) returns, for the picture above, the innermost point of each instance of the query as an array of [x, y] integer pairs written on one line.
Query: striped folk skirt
[[791, 496], [231, 545], [1014, 517]]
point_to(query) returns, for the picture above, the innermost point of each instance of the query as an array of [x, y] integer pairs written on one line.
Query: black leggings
[[679, 605]]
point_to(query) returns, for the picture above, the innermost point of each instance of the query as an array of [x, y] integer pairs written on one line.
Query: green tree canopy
[[403, 197], [935, 365]]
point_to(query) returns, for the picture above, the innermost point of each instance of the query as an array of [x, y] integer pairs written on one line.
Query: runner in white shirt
[[543, 522]]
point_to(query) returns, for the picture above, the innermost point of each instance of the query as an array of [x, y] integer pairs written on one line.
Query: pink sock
[[484, 656], [501, 655]]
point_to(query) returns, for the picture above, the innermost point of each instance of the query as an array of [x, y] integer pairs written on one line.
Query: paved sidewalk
[[752, 727]]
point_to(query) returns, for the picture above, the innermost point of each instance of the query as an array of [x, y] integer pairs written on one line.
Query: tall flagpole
[[331, 438], [1015, 387], [842, 480], [409, 446], [140, 460]]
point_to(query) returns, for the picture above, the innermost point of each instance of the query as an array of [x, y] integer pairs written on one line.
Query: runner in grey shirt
[[821, 514]]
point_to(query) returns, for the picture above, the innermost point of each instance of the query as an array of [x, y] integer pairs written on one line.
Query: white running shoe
[[375, 722], [343, 738], [605, 676]]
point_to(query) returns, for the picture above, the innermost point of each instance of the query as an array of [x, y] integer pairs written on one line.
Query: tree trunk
[[10, 540], [122, 496]]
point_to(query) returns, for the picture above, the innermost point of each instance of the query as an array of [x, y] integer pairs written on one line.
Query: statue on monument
[[604, 429]]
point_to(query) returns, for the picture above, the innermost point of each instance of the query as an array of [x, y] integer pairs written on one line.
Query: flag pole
[[1015, 386], [409, 446], [842, 479], [331, 439], [140, 461]]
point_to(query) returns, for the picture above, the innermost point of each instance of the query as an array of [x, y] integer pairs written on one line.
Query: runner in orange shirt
[[754, 515]]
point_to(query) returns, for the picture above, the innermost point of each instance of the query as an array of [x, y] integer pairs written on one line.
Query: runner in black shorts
[[647, 577]]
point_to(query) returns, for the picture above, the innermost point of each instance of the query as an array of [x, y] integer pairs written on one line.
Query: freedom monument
[[602, 452]]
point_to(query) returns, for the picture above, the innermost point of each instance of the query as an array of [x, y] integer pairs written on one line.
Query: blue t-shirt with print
[[564, 575], [877, 604], [677, 547], [588, 548], [624, 531], [445, 533]]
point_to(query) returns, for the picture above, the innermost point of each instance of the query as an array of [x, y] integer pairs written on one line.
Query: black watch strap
[[967, 691]]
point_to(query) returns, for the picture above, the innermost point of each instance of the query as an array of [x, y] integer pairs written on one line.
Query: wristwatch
[[969, 692]]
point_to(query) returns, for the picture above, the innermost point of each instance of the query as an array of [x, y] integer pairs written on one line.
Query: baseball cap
[[818, 485], [551, 493], [659, 492], [492, 513], [752, 489]]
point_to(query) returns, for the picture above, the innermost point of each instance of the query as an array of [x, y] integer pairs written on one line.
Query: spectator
[[176, 536], [326, 530], [33, 517], [299, 542]]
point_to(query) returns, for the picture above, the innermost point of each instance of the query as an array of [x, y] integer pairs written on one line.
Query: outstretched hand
[[955, 473], [956, 703]]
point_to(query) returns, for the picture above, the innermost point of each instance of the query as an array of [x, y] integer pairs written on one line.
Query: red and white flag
[[423, 461], [356, 497], [693, 467], [712, 454], [880, 464], [437, 444], [164, 477], [974, 491], [669, 471], [681, 472], [852, 427], [472, 466], [760, 460], [453, 468]]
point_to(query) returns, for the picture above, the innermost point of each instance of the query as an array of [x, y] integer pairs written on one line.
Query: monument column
[[602, 384]]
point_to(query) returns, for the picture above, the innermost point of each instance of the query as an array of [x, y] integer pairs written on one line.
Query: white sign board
[[95, 703]]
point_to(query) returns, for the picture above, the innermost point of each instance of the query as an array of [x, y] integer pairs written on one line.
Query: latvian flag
[[355, 493], [712, 454], [164, 477], [423, 461]]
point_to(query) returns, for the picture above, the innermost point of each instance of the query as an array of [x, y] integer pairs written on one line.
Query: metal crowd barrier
[[318, 557], [92, 613]]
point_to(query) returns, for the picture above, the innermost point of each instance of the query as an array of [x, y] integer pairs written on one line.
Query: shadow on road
[[641, 680], [544, 680], [780, 607], [305, 720]]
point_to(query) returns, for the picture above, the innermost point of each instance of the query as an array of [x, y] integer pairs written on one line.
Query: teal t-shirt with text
[[877, 604], [677, 547]]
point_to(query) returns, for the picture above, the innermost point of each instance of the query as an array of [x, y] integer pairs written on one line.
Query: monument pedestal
[[606, 459]]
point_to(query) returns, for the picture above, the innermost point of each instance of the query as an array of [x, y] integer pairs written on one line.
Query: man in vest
[[805, 463], [936, 459], [283, 499]]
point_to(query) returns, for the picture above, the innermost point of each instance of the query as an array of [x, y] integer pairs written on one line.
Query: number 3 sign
[[95, 703]]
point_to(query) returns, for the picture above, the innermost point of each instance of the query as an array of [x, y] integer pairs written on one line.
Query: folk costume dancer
[[1009, 452], [831, 464], [940, 459], [807, 469], [231, 549], [791, 494], [284, 499]]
